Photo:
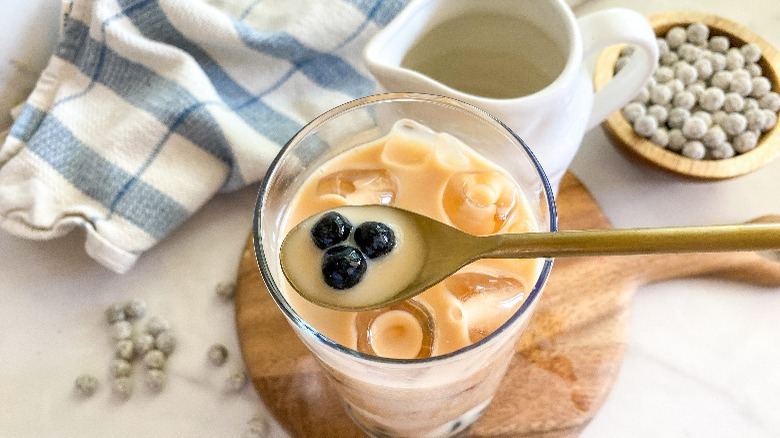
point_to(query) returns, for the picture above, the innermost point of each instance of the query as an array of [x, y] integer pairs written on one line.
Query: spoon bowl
[[429, 251]]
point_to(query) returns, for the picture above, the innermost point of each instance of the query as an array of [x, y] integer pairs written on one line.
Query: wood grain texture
[[566, 361], [623, 136]]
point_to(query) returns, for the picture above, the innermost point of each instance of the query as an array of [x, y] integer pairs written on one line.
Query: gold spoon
[[438, 250]]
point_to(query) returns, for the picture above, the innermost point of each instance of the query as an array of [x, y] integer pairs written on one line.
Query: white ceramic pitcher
[[466, 38]]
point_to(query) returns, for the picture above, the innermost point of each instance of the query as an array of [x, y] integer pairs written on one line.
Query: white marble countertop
[[701, 357]]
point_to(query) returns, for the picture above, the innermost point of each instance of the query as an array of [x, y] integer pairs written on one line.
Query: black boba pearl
[[375, 239], [331, 229], [343, 267]]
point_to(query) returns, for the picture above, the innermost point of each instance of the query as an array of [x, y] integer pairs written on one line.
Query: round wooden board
[[565, 364]]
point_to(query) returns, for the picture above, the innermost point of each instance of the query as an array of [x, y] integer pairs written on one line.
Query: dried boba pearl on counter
[[676, 37], [236, 380], [745, 142], [760, 87], [121, 330], [143, 343], [115, 313], [751, 52], [770, 101], [712, 99], [633, 111], [156, 325], [722, 151], [645, 125], [684, 99], [756, 119], [122, 387], [660, 137], [217, 354], [165, 342], [659, 113], [661, 94], [714, 137], [719, 44], [676, 140], [721, 79], [154, 359], [734, 124], [663, 74], [741, 85], [125, 349], [694, 128], [86, 385], [698, 33], [733, 102], [155, 380], [694, 150], [226, 290], [121, 368], [687, 74], [677, 117]]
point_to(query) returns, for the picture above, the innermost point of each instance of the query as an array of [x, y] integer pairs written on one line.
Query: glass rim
[[293, 316]]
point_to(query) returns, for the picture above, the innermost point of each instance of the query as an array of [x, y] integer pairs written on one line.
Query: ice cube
[[450, 151], [480, 202], [359, 186], [401, 331], [408, 144]]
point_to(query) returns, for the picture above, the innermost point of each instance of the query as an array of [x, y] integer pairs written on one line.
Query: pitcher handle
[[613, 26]]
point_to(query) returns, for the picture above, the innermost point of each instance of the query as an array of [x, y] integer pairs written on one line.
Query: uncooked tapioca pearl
[[125, 349], [734, 124], [121, 368], [155, 359], [755, 70], [121, 330], [675, 85], [661, 94], [745, 142], [721, 79], [143, 343], [620, 63], [258, 427], [761, 86], [713, 137], [733, 102], [689, 52], [694, 150], [156, 325], [236, 380], [741, 73], [135, 309], [751, 103], [676, 37], [722, 151], [770, 101], [719, 44], [633, 111], [751, 52], [659, 112], [734, 59], [770, 118], [165, 342], [684, 99], [217, 354], [718, 61], [698, 33], [155, 380], [742, 86], [756, 119], [687, 74], [668, 59], [643, 96], [660, 137], [696, 89], [663, 74], [712, 99], [718, 116], [627, 50], [676, 140], [663, 47], [703, 68], [226, 290], [704, 115], [694, 128], [645, 125], [115, 313], [122, 387], [87, 385], [677, 116]]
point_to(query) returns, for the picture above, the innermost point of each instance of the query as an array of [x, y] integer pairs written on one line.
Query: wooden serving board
[[566, 361]]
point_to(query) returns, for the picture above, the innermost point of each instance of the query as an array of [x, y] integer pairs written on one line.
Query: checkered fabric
[[149, 108]]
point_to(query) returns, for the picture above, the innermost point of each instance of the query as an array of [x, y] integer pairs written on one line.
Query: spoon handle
[[716, 238]]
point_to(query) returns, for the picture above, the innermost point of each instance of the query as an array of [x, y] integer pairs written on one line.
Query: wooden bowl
[[635, 146]]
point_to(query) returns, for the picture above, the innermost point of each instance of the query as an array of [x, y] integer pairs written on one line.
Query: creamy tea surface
[[436, 175]]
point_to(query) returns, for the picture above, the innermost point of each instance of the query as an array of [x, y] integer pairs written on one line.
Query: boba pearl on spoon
[[420, 252]]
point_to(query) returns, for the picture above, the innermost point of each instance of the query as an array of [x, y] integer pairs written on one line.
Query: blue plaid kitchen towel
[[148, 108]]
